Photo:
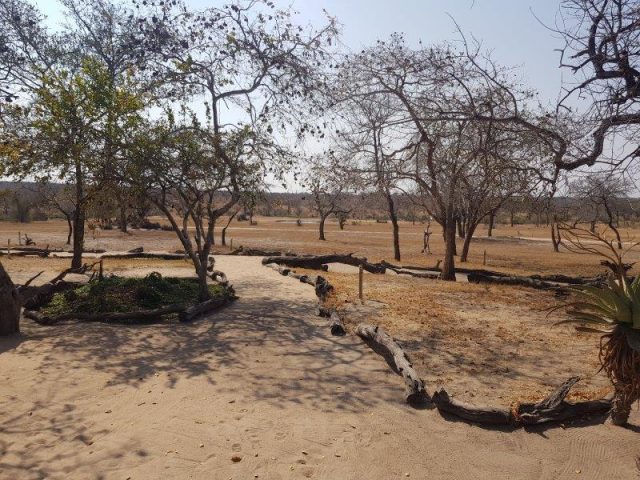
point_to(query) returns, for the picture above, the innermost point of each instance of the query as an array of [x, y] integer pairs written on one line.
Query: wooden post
[[360, 275], [484, 258], [19, 238], [101, 271]]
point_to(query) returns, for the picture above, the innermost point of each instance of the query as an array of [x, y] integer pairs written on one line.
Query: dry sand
[[262, 383]]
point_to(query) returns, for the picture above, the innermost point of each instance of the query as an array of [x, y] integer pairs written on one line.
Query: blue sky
[[508, 28]]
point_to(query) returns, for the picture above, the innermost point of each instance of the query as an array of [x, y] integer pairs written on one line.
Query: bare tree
[[604, 193], [328, 191], [445, 100], [369, 139]]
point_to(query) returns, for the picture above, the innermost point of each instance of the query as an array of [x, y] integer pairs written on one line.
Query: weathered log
[[142, 316], [317, 262], [515, 281], [402, 271], [195, 311], [281, 270], [34, 297], [322, 311], [10, 304], [256, 252], [45, 250], [218, 276], [336, 325], [150, 255], [323, 288], [554, 408], [415, 392], [136, 250], [471, 413], [5, 253]]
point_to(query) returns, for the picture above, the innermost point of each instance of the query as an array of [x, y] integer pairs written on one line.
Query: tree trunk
[[510, 218], [123, 219], [78, 236], [393, 216], [460, 224], [322, 220], [223, 238], [10, 305], [203, 286], [555, 236], [467, 243], [612, 225], [70, 228], [78, 219], [492, 219], [448, 268]]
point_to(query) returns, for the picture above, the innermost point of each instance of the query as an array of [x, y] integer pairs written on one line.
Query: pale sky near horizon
[[507, 28]]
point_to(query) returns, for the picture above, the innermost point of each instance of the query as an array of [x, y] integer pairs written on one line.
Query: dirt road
[[258, 390]]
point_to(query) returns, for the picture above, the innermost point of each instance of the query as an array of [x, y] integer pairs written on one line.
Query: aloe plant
[[615, 305], [618, 302]]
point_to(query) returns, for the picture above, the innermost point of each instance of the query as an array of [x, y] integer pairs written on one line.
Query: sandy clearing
[[265, 381]]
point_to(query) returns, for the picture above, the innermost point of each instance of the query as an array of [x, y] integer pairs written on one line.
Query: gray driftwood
[[415, 392], [317, 262]]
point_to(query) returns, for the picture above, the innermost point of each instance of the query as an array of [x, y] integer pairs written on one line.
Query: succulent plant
[[617, 302]]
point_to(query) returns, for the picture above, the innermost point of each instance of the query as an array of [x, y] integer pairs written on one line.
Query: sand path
[[264, 382]]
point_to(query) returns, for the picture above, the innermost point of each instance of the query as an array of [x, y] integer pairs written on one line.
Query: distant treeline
[[27, 201]]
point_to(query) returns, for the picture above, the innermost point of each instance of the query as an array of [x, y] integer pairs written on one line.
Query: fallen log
[[34, 297], [195, 311], [515, 281], [160, 256], [471, 413], [554, 408], [218, 276], [281, 270], [15, 253], [436, 268], [256, 252], [415, 392], [141, 316], [35, 249], [402, 271], [323, 288], [322, 311], [336, 325], [559, 278], [317, 262]]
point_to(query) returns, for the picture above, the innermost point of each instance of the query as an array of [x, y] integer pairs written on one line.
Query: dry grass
[[494, 343], [488, 344]]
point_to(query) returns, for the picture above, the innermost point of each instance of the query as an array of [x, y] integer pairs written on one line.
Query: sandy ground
[[262, 382], [522, 249]]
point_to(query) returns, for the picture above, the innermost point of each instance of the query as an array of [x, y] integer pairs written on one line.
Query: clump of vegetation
[[118, 294], [616, 307]]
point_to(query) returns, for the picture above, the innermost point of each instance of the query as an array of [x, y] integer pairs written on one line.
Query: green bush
[[119, 294]]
